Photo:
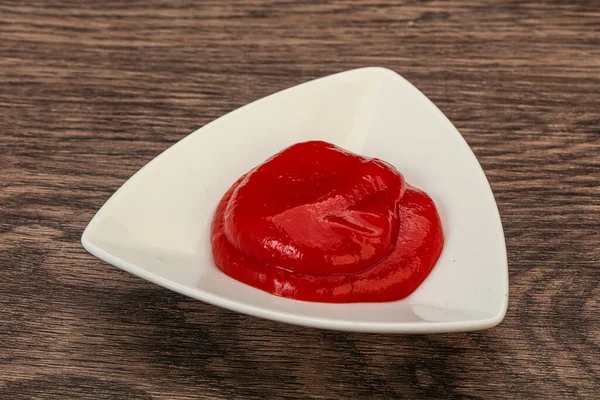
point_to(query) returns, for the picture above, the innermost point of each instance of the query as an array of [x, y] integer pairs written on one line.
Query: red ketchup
[[318, 223]]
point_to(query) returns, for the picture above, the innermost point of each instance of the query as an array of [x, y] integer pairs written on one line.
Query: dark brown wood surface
[[91, 91]]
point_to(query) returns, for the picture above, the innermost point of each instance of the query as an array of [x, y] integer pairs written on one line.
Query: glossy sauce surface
[[317, 223]]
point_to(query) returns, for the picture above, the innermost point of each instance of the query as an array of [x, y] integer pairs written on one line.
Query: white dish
[[156, 226]]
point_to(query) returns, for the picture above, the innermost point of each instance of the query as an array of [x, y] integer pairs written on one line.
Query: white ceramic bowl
[[157, 224]]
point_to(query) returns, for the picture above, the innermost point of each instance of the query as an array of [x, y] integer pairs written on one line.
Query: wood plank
[[91, 91]]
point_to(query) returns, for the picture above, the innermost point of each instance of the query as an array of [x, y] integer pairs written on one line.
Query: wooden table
[[91, 91]]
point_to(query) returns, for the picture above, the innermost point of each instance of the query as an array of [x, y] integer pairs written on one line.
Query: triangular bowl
[[156, 226]]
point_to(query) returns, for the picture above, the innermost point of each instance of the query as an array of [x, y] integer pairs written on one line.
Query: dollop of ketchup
[[318, 223]]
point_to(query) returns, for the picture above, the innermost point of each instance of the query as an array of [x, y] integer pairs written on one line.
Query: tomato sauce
[[318, 223]]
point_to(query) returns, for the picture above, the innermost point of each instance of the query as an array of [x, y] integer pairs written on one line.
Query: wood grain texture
[[91, 91]]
